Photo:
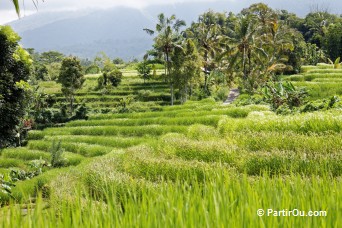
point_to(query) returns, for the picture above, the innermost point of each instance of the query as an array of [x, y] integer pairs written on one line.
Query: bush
[[56, 154], [115, 77], [144, 94], [221, 94]]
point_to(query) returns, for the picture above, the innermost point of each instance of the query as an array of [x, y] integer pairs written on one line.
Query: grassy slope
[[201, 164], [322, 81]]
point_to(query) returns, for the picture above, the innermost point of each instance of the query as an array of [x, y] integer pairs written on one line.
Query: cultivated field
[[201, 164]]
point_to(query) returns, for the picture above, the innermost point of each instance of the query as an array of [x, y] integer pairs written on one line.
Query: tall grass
[[223, 202], [318, 122]]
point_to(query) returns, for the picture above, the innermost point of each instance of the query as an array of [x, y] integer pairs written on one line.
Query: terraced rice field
[[132, 86], [201, 164], [322, 81]]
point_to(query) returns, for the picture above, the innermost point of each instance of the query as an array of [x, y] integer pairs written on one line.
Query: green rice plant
[[39, 145], [84, 149], [285, 163], [324, 90], [286, 141], [138, 162], [11, 162], [326, 70], [87, 150], [207, 151], [152, 130], [207, 120], [325, 66], [24, 154], [318, 122], [294, 78], [35, 135], [107, 141], [202, 132], [224, 201], [25, 190], [308, 68], [72, 159]]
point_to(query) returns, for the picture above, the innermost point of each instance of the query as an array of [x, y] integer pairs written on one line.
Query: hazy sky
[[7, 12]]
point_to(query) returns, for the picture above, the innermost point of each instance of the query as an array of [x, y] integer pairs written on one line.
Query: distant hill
[[117, 31]]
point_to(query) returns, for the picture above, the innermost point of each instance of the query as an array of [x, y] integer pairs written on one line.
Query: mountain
[[119, 31]]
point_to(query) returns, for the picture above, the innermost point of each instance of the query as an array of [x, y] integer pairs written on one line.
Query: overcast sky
[[7, 12]]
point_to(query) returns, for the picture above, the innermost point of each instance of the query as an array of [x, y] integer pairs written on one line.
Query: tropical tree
[[243, 42], [191, 70], [332, 42], [144, 70], [71, 78], [168, 37], [14, 72], [207, 33]]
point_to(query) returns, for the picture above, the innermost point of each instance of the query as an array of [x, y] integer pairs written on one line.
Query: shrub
[[221, 94], [56, 154], [143, 95], [115, 77]]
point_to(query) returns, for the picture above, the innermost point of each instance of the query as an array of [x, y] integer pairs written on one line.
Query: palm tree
[[167, 39], [243, 42], [208, 36]]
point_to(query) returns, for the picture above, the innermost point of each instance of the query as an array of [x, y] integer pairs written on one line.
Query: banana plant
[[6, 186], [279, 93]]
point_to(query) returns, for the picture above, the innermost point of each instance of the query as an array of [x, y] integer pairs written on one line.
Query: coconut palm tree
[[168, 37], [207, 33]]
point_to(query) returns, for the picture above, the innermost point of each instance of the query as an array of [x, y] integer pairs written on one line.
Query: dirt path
[[233, 94]]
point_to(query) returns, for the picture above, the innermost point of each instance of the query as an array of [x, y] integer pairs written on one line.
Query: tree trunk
[[205, 72], [244, 64], [172, 92], [72, 104]]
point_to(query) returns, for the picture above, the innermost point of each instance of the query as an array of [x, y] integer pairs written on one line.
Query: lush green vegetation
[[218, 167], [121, 157]]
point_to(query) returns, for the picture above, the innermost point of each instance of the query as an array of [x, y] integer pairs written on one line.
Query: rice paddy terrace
[[322, 81], [153, 93], [201, 164]]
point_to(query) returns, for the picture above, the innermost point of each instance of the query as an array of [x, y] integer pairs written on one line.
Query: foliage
[[144, 70], [56, 152], [6, 186], [168, 37], [313, 55], [279, 93], [332, 40], [92, 69], [118, 61], [51, 57], [14, 68], [124, 103], [71, 78], [115, 77]]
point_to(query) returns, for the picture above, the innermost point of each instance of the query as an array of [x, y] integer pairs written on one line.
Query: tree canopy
[[14, 72]]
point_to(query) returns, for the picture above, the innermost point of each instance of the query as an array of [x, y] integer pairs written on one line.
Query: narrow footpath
[[233, 94]]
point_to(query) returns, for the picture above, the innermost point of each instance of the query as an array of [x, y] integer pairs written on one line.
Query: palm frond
[[16, 6], [149, 31]]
